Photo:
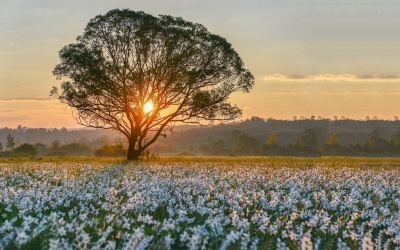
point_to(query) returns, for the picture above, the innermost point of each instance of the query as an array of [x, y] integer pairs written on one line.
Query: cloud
[[332, 78], [37, 98]]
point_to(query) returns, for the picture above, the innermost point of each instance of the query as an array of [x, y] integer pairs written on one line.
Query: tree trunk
[[133, 153]]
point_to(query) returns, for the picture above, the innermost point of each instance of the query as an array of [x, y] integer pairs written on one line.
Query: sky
[[309, 57]]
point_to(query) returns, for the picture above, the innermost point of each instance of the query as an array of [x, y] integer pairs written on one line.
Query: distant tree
[[1, 146], [272, 148], [256, 119], [308, 142], [10, 142], [333, 140], [332, 147], [26, 149], [41, 148], [394, 143], [76, 149], [218, 148], [55, 145], [396, 138], [139, 74], [234, 135], [272, 140], [375, 143], [246, 144]]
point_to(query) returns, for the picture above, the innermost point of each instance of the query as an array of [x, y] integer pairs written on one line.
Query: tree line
[[83, 147], [307, 144], [254, 136]]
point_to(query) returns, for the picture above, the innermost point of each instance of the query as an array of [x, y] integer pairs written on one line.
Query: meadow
[[200, 203]]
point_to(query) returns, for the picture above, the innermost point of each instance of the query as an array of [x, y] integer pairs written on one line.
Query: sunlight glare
[[148, 107]]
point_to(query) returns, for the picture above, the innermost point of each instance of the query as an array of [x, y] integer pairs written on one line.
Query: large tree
[[141, 74]]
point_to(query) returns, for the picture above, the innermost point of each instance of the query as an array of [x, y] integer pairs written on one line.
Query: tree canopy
[[127, 61]]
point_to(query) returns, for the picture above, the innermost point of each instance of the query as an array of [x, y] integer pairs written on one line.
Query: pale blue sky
[[290, 47]]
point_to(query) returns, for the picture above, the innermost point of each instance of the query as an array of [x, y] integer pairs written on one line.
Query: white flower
[[61, 231], [54, 244], [306, 243], [366, 243], [22, 238], [168, 241]]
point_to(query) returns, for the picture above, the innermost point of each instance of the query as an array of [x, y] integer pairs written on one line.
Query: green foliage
[[76, 148], [333, 140], [376, 144], [308, 142], [272, 148], [332, 147], [246, 145], [26, 149], [272, 140], [10, 142]]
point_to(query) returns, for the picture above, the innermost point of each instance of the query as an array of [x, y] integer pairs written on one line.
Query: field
[[200, 203]]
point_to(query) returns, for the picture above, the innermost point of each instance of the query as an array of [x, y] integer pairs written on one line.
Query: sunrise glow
[[148, 107]]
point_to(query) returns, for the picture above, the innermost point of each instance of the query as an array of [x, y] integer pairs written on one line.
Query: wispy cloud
[[37, 98], [332, 78]]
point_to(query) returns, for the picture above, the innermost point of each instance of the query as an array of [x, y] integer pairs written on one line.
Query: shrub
[[26, 149]]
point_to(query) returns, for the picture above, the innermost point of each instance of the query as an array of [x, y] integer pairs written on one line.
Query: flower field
[[282, 204]]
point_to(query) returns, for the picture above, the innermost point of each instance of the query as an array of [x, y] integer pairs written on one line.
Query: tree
[[332, 147], [1, 147], [41, 148], [271, 146], [394, 144], [375, 143], [218, 148], [139, 74], [308, 142], [333, 140], [234, 135], [272, 140], [246, 144], [10, 142], [55, 145], [26, 149], [76, 148]]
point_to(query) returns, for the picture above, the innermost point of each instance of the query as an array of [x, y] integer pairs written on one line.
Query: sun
[[148, 106]]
